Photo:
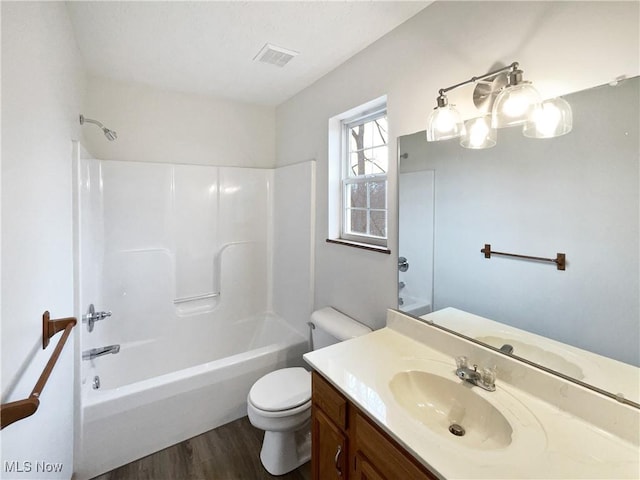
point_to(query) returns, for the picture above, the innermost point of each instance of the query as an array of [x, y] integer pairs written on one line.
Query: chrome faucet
[[98, 352], [485, 379], [506, 348]]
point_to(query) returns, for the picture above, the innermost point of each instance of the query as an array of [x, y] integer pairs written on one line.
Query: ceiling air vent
[[277, 56]]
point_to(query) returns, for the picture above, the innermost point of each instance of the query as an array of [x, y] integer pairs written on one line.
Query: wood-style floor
[[230, 452]]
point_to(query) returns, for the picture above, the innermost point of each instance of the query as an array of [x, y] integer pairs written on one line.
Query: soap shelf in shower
[[560, 259], [196, 297], [13, 411]]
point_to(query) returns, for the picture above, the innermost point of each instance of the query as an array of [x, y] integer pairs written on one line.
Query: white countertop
[[547, 442]]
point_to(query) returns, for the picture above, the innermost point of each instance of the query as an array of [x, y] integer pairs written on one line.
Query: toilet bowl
[[280, 402]]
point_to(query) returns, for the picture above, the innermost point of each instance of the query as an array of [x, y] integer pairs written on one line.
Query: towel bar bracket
[[51, 327]]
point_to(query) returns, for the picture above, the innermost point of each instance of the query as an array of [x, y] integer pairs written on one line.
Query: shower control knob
[[403, 265], [102, 315], [92, 316]]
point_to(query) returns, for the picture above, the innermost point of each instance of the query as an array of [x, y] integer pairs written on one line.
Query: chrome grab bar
[[196, 297]]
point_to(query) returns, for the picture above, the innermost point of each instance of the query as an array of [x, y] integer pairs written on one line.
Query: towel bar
[[13, 411], [560, 259]]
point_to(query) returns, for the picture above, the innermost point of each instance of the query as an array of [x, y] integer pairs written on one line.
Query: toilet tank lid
[[338, 324]]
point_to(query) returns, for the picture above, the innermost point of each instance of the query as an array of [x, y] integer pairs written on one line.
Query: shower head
[[110, 134]]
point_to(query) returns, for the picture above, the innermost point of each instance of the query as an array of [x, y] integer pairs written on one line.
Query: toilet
[[280, 402]]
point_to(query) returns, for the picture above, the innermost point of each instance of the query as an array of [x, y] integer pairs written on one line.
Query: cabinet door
[[365, 470], [329, 445], [382, 457]]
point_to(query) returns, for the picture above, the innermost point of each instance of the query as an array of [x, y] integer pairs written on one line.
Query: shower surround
[[185, 259]]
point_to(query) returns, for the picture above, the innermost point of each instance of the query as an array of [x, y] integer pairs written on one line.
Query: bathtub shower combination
[[179, 265]]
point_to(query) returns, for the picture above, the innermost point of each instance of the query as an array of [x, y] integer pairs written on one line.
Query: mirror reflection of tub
[[415, 280], [414, 306]]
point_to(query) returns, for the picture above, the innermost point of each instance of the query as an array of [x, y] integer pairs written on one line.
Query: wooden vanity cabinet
[[347, 445]]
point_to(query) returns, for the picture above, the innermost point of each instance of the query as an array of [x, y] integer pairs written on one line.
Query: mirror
[[577, 194]]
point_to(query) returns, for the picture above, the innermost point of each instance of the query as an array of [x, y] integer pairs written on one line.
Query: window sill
[[364, 246]]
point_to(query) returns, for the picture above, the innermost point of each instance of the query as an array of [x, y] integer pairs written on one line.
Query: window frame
[[346, 180]]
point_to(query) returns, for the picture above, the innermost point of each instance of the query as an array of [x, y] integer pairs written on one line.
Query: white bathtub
[[151, 398]]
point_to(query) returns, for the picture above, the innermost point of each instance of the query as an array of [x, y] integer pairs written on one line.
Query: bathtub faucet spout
[[98, 352]]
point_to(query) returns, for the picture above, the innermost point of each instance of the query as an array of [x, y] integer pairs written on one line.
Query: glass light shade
[[515, 105], [444, 123], [552, 119], [478, 134]]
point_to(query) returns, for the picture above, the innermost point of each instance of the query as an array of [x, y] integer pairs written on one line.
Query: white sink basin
[[451, 408]]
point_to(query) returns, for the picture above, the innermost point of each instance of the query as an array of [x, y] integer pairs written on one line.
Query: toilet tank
[[331, 327]]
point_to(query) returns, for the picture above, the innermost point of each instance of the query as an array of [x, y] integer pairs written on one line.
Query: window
[[365, 161]]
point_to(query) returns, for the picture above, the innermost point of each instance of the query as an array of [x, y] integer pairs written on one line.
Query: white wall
[[42, 86], [155, 125], [562, 47]]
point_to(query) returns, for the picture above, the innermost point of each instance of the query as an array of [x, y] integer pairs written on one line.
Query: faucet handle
[[489, 376], [462, 362]]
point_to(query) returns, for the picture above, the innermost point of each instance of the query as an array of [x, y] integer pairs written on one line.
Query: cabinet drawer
[[329, 400], [383, 453]]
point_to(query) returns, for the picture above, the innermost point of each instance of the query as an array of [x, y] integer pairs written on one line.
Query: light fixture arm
[[513, 68]]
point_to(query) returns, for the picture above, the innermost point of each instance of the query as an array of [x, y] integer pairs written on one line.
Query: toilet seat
[[304, 410], [282, 390]]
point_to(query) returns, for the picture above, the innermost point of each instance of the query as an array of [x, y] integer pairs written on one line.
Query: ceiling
[[208, 47]]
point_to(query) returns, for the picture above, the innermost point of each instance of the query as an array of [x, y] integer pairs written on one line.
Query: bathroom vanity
[[347, 444], [390, 405]]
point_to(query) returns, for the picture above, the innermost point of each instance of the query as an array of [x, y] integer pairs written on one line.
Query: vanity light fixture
[[478, 133], [553, 119], [516, 103], [445, 121]]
